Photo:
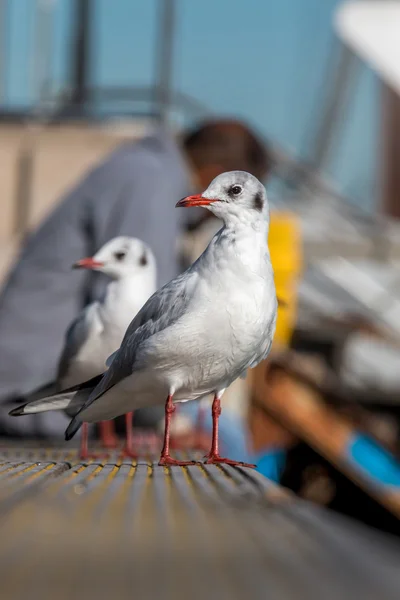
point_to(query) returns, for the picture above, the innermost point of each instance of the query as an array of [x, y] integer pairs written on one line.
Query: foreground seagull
[[100, 327], [201, 331]]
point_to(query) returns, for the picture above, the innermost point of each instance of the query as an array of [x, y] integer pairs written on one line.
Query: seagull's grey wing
[[111, 358], [76, 336], [164, 307], [161, 310]]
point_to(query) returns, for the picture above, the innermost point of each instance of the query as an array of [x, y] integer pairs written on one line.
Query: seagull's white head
[[121, 257], [233, 196]]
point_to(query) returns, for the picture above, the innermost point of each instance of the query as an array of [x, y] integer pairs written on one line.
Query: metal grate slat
[[126, 528]]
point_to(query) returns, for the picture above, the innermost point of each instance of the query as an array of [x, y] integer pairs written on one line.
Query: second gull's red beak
[[196, 200], [87, 263]]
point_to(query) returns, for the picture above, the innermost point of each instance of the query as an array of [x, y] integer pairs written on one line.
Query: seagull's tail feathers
[[84, 392], [70, 400], [57, 402]]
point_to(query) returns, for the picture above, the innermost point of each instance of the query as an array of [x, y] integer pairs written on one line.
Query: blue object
[[271, 464], [379, 464]]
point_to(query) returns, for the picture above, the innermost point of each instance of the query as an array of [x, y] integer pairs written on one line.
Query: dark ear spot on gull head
[[258, 202], [143, 259]]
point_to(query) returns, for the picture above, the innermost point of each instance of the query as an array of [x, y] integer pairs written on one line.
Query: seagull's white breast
[[228, 327]]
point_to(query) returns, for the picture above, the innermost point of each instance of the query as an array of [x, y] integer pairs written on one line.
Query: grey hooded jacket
[[133, 192]]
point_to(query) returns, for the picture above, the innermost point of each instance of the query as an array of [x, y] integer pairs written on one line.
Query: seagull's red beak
[[87, 263], [196, 200]]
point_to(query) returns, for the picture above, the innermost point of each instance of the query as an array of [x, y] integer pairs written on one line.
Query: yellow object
[[286, 255]]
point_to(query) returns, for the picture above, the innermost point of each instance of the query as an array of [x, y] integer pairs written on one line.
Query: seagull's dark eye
[[235, 190], [120, 255]]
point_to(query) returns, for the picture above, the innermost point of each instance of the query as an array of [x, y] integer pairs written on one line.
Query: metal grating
[[133, 529]]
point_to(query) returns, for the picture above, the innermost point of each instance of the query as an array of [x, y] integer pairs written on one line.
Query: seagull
[[203, 329], [99, 329]]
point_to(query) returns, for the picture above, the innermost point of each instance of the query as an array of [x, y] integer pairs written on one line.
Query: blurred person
[[131, 193]]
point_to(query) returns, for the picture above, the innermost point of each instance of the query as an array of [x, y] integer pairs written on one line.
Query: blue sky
[[264, 60]]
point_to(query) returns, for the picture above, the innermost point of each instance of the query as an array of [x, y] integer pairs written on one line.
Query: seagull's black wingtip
[[17, 412], [72, 428]]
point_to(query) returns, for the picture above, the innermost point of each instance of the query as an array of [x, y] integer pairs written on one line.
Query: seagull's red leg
[[216, 412], [165, 458], [107, 434], [175, 444], [84, 449], [213, 457], [128, 450]]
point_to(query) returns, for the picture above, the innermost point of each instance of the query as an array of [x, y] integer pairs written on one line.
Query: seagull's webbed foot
[[168, 461], [216, 459]]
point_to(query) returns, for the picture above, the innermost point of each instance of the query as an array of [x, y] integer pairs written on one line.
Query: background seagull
[[99, 329]]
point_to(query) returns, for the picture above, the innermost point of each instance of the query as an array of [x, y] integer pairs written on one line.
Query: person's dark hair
[[230, 144]]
